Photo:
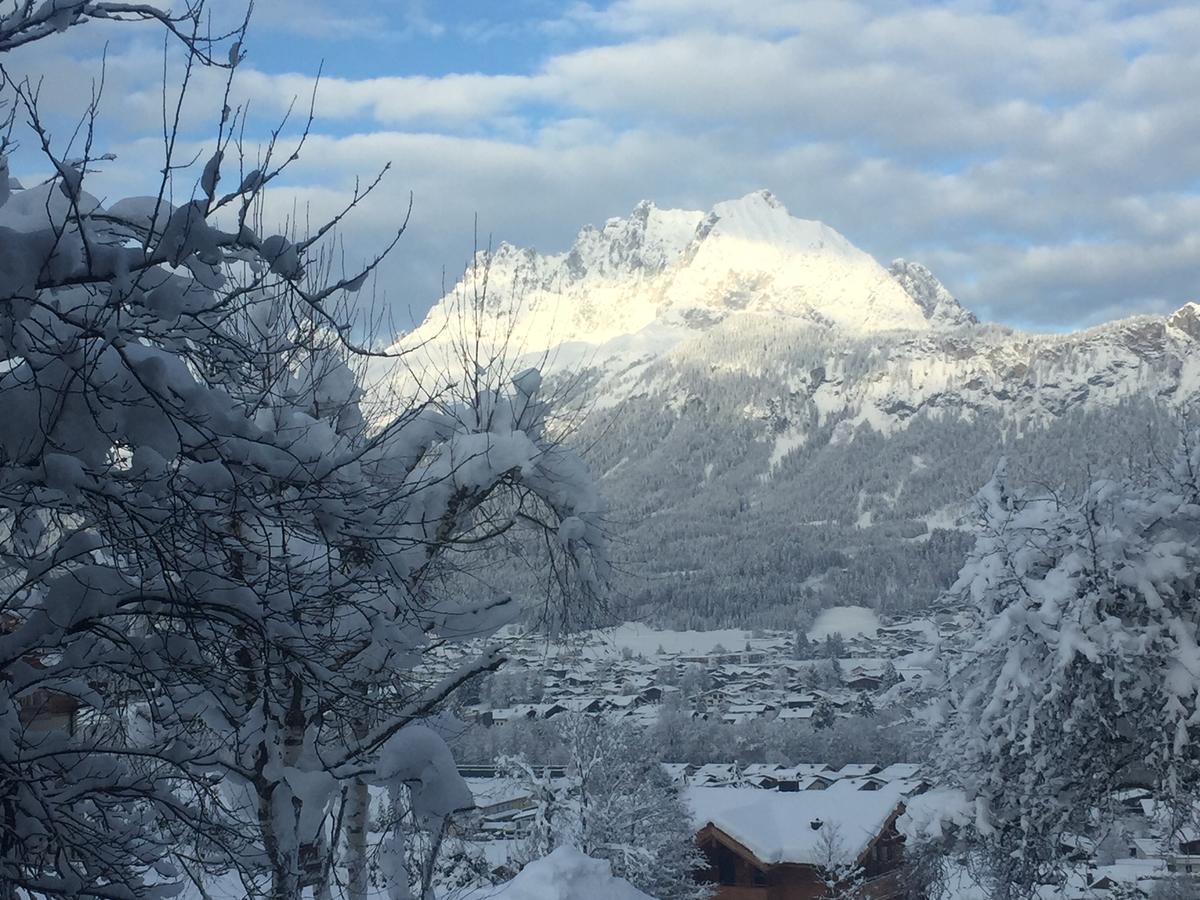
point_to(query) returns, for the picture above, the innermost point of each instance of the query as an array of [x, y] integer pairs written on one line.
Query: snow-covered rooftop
[[777, 827]]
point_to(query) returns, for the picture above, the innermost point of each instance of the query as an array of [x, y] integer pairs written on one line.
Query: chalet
[[679, 771], [651, 694], [1127, 878], [755, 770], [764, 775], [744, 712], [900, 770], [812, 769], [45, 711], [717, 774], [910, 787], [797, 714], [768, 845], [808, 783], [1183, 849], [1076, 848], [912, 673], [858, 770], [586, 704], [624, 701], [526, 711], [41, 709], [864, 681], [802, 700], [1131, 798], [867, 783]]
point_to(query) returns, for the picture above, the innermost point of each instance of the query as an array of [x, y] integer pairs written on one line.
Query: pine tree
[[891, 677], [864, 705], [1084, 668], [801, 647], [824, 715]]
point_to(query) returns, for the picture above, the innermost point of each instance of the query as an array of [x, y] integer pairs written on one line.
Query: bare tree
[[842, 876], [212, 557]]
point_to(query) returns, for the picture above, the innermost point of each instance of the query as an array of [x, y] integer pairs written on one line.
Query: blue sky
[[1042, 157]]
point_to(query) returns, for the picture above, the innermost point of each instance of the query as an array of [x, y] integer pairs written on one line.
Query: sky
[[1042, 157]]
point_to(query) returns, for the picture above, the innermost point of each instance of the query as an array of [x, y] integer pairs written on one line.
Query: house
[[1136, 878], [526, 711], [900, 770], [864, 678], [858, 770], [679, 771], [717, 773], [743, 712], [867, 783], [797, 714], [770, 845], [42, 709]]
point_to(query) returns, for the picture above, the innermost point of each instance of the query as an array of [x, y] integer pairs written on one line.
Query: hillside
[[783, 424]]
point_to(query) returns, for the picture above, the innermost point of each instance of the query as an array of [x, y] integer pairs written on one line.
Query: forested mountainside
[[782, 424], [829, 472]]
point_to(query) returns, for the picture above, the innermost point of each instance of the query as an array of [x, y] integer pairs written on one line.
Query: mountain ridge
[[781, 423], [685, 270]]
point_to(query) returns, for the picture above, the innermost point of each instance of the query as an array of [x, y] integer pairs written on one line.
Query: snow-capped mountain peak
[[752, 255], [667, 272], [760, 218], [644, 243]]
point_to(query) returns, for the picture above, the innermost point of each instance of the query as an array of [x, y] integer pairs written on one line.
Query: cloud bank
[[1044, 159]]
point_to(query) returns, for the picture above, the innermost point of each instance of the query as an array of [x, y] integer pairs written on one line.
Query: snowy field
[[641, 639], [848, 621]]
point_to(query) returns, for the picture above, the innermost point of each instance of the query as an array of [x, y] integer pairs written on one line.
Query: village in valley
[[853, 666], [631, 672]]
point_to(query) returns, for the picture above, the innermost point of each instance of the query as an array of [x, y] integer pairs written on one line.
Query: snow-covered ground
[[848, 621], [566, 874], [641, 639]]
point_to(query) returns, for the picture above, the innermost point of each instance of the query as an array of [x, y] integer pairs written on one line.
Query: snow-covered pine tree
[[1083, 671], [824, 715], [864, 705]]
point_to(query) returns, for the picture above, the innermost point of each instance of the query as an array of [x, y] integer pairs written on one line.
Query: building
[[41, 709], [771, 845]]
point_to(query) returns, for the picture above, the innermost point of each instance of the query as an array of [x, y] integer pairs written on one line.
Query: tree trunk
[[358, 805]]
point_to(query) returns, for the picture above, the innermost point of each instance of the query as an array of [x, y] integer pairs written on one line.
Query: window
[[760, 878]]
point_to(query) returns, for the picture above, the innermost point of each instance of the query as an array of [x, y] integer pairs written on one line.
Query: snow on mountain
[[642, 284], [752, 255], [938, 304], [781, 421]]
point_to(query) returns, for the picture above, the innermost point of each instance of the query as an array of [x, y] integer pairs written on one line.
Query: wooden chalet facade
[[737, 872]]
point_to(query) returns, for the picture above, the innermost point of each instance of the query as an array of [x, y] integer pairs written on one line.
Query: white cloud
[[1043, 157]]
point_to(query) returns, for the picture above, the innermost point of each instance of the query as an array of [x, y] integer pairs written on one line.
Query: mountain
[[781, 423], [657, 277]]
